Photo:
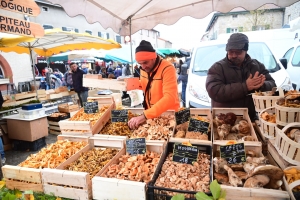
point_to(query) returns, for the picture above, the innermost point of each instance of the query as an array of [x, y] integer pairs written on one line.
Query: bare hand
[[136, 121], [256, 81]]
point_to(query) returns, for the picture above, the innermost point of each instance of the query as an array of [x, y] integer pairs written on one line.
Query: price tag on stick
[[136, 146], [119, 116], [185, 154], [90, 107], [182, 116], [233, 153], [198, 126]]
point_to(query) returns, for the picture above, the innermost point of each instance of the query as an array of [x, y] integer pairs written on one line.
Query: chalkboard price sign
[[136, 146], [182, 116], [198, 126], [119, 115], [233, 153], [185, 154], [90, 107]]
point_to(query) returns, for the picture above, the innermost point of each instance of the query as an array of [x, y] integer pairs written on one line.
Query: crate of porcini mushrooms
[[27, 175], [127, 175], [88, 124], [182, 177], [202, 133], [73, 179], [233, 124], [257, 178]]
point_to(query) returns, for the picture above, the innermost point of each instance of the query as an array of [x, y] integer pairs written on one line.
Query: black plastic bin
[[57, 119], [159, 193], [20, 145]]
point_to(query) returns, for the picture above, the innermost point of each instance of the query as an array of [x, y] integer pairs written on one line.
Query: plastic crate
[[159, 193], [30, 114], [20, 145]]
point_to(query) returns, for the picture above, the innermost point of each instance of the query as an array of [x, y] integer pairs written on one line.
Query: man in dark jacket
[[77, 77], [231, 80]]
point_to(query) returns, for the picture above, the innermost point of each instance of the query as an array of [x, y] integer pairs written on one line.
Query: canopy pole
[[33, 70], [131, 45]]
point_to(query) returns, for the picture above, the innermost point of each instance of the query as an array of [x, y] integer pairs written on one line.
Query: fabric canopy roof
[[146, 14]]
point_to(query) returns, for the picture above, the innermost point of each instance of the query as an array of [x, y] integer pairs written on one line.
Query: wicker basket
[[286, 115], [287, 148], [267, 128], [263, 102]]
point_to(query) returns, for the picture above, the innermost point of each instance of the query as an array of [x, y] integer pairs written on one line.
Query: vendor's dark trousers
[[82, 97]]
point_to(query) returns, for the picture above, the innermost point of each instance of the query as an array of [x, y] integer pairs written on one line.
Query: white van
[[293, 65], [207, 53]]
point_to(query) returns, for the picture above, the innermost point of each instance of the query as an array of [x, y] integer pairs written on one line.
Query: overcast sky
[[185, 33]]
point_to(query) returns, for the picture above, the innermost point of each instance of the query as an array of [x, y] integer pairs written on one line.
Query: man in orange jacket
[[159, 83]]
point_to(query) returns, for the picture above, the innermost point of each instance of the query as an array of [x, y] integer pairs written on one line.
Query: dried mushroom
[[53, 155], [92, 161], [269, 117], [160, 128], [182, 176], [135, 168]]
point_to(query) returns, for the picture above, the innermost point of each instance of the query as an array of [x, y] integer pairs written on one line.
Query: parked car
[[207, 53], [293, 65]]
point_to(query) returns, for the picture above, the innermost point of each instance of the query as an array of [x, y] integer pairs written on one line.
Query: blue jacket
[[77, 81]]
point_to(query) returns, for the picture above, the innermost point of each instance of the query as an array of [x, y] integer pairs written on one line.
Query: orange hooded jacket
[[163, 91]]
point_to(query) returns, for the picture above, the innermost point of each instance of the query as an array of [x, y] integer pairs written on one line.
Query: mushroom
[[257, 181], [242, 127], [223, 131], [274, 173], [219, 165], [242, 175], [219, 119], [248, 167], [248, 138], [259, 160], [294, 134], [221, 178], [234, 180], [230, 118], [250, 153]]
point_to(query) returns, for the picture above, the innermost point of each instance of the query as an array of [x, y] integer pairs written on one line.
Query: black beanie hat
[[145, 46]]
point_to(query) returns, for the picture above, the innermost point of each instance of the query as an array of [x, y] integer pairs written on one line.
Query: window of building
[[45, 9], [76, 30], [46, 26], [260, 27], [234, 16], [68, 28], [107, 35], [234, 30], [89, 32], [289, 18], [99, 34], [118, 38]]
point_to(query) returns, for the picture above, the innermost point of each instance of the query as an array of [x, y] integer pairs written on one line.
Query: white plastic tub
[[30, 114]]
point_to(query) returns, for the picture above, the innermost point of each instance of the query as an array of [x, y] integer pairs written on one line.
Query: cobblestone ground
[[16, 157]]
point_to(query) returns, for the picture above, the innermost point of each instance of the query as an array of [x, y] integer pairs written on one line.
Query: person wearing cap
[[158, 82], [231, 81]]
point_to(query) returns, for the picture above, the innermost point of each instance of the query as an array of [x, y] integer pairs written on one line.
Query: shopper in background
[[136, 71], [55, 81], [118, 71], [231, 81], [159, 83], [57, 73], [126, 70], [68, 80], [183, 78], [48, 72], [77, 76], [43, 84], [3, 159]]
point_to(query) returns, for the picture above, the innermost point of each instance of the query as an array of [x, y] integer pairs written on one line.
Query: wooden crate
[[66, 108], [85, 127], [93, 76], [113, 188], [61, 89], [53, 128], [238, 193], [23, 178], [263, 102], [203, 112], [267, 128], [287, 148], [21, 96], [286, 115], [124, 85], [239, 112], [72, 184]]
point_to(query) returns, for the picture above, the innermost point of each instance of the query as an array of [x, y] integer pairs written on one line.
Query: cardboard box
[[5, 139], [27, 130]]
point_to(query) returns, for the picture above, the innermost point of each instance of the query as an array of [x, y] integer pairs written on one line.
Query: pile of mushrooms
[[229, 127], [254, 173]]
